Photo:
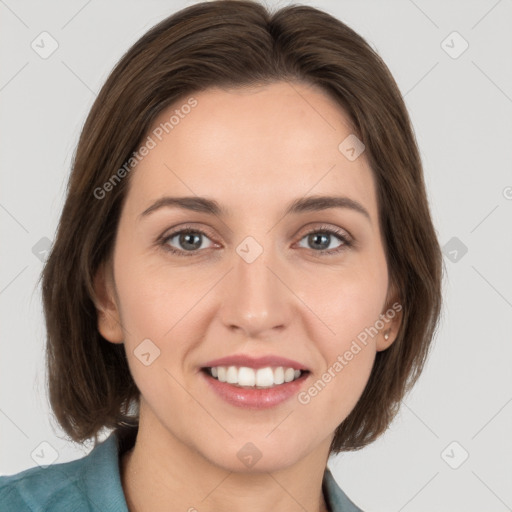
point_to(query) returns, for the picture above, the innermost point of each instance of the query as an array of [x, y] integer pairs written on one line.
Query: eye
[[320, 239], [189, 241]]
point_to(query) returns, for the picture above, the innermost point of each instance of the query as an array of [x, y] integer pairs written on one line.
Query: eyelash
[[324, 230]]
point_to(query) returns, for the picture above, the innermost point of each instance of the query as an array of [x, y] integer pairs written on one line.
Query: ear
[[109, 319], [392, 318]]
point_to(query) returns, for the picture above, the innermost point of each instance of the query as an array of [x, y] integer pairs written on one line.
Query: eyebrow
[[301, 205]]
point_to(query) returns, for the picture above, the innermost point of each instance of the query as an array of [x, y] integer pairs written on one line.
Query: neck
[[160, 470]]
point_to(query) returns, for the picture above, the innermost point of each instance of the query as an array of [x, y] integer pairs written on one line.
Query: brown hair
[[232, 43]]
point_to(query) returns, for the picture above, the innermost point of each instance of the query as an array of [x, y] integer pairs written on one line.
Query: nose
[[256, 300]]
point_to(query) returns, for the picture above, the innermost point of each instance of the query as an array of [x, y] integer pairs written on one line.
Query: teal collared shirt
[[93, 484]]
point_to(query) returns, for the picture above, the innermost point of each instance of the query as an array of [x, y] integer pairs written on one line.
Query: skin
[[253, 150]]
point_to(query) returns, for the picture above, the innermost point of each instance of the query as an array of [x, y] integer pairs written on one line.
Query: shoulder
[[336, 499], [43, 489], [68, 486]]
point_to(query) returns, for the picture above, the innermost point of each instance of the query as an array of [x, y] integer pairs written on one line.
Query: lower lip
[[263, 398]]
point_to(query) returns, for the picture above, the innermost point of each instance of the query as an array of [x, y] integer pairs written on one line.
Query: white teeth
[[232, 375], [249, 377], [221, 373], [264, 377], [279, 375], [289, 374], [244, 377]]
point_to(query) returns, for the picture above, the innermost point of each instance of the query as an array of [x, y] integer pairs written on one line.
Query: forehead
[[252, 146]]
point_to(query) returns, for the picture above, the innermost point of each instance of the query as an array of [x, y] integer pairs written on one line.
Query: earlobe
[[109, 320], [385, 339], [393, 320]]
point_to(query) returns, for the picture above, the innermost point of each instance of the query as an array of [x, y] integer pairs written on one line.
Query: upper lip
[[255, 362]]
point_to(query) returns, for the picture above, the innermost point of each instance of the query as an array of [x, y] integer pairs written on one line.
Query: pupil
[[184, 240], [312, 239]]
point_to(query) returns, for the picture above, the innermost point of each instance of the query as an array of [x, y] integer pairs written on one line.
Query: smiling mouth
[[250, 378]]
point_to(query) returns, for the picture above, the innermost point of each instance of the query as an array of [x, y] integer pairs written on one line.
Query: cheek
[[347, 356], [154, 296], [145, 310], [350, 306], [348, 300], [339, 388], [153, 317], [162, 305]]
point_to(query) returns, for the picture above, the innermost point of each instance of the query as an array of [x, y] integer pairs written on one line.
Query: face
[[251, 279]]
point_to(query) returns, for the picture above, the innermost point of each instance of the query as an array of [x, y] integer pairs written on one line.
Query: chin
[[257, 456]]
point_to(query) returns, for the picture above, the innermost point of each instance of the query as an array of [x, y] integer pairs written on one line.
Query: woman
[[245, 278]]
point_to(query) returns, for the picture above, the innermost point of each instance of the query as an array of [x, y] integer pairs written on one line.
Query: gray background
[[461, 109]]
